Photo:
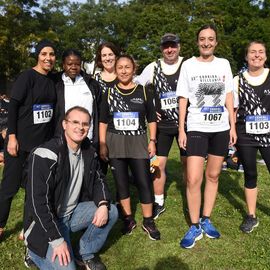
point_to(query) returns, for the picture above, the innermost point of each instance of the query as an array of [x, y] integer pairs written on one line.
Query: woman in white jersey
[[205, 83], [252, 99]]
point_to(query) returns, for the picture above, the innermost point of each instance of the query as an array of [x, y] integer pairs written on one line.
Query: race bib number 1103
[[258, 124]]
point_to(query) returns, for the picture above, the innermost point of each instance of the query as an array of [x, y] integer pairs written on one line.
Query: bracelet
[[153, 140], [104, 203]]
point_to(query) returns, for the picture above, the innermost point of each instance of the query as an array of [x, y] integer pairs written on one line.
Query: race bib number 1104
[[126, 120]]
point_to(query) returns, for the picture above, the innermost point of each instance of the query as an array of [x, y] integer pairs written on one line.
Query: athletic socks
[[159, 199], [204, 218], [197, 225]]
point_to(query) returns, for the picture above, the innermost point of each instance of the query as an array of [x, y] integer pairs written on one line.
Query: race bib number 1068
[[168, 101]]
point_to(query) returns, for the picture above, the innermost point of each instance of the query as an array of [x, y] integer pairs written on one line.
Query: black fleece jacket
[[48, 175]]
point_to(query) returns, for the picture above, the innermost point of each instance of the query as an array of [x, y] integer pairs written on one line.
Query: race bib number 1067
[[212, 114]]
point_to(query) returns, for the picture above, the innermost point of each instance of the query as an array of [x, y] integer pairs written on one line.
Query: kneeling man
[[66, 192]]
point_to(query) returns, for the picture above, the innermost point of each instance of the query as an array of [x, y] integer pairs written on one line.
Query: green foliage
[[233, 251], [136, 26]]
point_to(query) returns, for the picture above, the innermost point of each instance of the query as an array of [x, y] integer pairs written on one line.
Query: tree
[[136, 26]]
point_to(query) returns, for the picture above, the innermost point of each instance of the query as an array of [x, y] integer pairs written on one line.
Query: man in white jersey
[[163, 74]]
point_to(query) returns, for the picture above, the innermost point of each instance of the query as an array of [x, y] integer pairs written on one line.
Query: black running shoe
[[28, 261], [249, 224], [151, 229], [129, 225], [92, 264], [157, 210]]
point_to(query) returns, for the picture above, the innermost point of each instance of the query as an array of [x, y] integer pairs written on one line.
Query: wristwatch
[[153, 140]]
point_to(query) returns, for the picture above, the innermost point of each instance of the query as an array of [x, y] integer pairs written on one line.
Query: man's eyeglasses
[[78, 124]]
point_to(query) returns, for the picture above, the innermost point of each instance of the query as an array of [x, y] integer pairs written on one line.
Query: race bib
[[212, 115], [258, 124], [168, 101], [42, 113], [126, 120]]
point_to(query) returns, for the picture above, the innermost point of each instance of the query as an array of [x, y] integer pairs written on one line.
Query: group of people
[[65, 129]]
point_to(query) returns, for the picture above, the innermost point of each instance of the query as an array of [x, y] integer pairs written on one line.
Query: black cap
[[42, 44], [169, 37]]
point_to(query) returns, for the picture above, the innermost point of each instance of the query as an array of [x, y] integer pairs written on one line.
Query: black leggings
[[140, 169], [11, 182], [248, 157]]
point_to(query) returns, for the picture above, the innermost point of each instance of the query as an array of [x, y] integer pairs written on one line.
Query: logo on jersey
[[266, 92], [137, 100]]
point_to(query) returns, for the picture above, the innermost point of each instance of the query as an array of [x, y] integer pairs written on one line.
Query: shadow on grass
[[174, 173], [229, 188], [170, 263]]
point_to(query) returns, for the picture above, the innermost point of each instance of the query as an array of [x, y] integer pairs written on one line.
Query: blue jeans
[[90, 242]]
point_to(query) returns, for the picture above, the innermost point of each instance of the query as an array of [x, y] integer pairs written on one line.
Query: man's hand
[[62, 252], [101, 216]]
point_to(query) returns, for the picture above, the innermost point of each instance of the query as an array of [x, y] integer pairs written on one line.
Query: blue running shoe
[[193, 234], [209, 229]]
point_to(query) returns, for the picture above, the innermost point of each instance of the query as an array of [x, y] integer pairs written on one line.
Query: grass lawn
[[234, 250]]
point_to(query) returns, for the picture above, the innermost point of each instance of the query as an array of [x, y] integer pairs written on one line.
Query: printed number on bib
[[42, 113], [126, 120], [168, 101], [258, 124], [212, 114]]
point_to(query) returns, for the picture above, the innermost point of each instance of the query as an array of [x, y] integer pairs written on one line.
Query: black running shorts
[[164, 141], [203, 143]]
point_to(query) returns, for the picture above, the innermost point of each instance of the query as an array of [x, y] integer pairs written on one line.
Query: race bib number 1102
[[42, 113]]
